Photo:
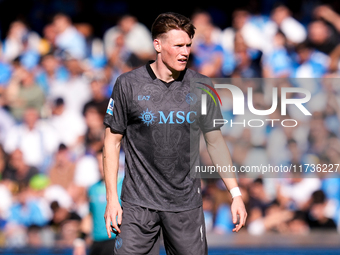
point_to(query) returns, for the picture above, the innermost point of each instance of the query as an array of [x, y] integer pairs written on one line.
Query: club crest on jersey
[[110, 107], [191, 98], [119, 242], [147, 117]]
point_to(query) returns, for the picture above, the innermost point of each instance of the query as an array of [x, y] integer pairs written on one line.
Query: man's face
[[174, 47]]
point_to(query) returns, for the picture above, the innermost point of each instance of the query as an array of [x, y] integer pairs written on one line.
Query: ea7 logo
[[140, 98]]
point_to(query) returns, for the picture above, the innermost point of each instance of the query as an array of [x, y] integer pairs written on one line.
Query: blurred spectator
[[246, 66], [34, 238], [5, 74], [63, 168], [207, 54], [3, 160], [322, 37], [68, 39], [318, 135], [95, 133], [332, 109], [70, 126], [317, 212], [110, 76], [6, 123], [94, 46], [298, 224], [18, 171], [18, 39], [326, 13], [23, 92], [26, 210], [86, 173], [329, 37], [75, 90], [137, 38], [252, 35], [201, 20], [99, 98], [5, 191], [290, 27], [295, 157], [51, 73], [275, 219], [65, 223], [48, 42], [69, 232], [277, 63], [258, 198], [56, 193], [122, 59], [310, 63], [296, 192], [37, 140], [331, 188]]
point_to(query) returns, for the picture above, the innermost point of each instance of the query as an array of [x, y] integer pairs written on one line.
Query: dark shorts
[[102, 247], [183, 232]]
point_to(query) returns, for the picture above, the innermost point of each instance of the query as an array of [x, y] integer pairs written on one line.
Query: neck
[[163, 72]]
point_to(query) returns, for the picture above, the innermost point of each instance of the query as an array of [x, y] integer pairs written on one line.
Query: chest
[[156, 105]]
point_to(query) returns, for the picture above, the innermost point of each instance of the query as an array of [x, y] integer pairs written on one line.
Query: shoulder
[[192, 74], [137, 75]]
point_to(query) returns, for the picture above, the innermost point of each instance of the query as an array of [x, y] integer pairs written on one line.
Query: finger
[[115, 225], [120, 216], [114, 230], [108, 227], [242, 222], [234, 216], [242, 219], [236, 228], [239, 223]]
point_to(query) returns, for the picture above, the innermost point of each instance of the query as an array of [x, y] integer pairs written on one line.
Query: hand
[[111, 212], [324, 12], [238, 209]]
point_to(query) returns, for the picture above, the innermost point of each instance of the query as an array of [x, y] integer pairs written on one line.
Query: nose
[[186, 51]]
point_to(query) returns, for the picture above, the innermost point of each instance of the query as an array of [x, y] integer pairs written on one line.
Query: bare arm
[[327, 13], [220, 155], [112, 144]]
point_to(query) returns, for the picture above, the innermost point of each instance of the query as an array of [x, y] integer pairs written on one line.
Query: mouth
[[183, 60]]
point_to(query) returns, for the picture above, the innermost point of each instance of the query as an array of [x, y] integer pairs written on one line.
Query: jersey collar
[[153, 76]]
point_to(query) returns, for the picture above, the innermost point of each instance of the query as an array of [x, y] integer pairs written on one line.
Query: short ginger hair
[[169, 21]]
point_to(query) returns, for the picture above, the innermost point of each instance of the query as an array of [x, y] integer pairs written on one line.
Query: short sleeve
[[207, 122], [117, 109]]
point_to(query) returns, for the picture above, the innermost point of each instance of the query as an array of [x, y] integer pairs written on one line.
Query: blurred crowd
[[54, 91]]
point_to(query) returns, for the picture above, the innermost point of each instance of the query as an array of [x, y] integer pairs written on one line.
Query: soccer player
[[155, 114]]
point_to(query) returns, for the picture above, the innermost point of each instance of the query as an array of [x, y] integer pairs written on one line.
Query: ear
[[157, 45]]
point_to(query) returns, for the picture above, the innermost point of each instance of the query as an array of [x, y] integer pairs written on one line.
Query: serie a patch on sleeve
[[110, 107]]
